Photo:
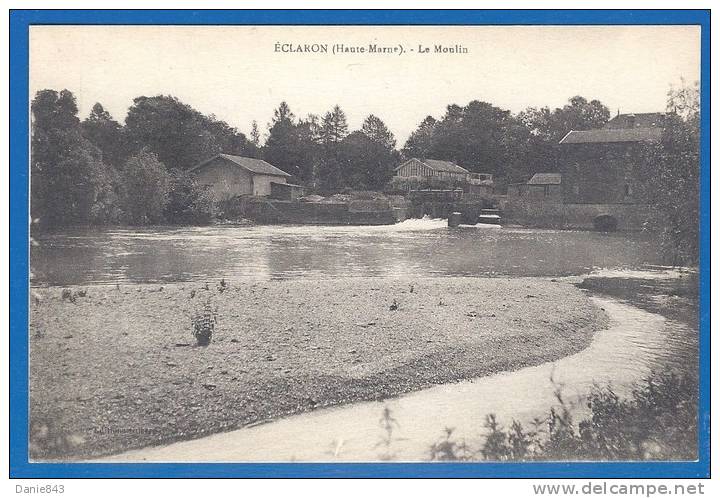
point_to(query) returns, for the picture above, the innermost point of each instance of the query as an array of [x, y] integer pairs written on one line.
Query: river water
[[414, 248]]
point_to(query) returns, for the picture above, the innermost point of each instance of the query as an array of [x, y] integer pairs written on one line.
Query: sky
[[241, 73]]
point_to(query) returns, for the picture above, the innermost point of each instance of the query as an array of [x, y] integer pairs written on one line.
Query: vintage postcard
[[344, 243]]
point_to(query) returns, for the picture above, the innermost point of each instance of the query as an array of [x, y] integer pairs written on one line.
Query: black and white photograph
[[364, 243]]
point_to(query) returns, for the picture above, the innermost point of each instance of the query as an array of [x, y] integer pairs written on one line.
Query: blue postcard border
[[20, 467]]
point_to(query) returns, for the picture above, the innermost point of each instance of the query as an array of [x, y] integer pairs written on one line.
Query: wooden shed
[[431, 168], [542, 186]]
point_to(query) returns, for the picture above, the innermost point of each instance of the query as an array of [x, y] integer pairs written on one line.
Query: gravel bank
[[118, 369]]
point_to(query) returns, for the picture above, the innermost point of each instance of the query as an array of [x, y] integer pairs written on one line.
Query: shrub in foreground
[[658, 421]]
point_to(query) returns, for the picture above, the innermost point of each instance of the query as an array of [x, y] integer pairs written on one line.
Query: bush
[[233, 208], [658, 421], [448, 449], [145, 188], [188, 201], [670, 170]]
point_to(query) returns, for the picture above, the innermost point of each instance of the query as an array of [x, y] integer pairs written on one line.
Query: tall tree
[[70, 184], [289, 145], [473, 136], [670, 177], [146, 185], [420, 141], [255, 134], [375, 129], [106, 134], [364, 164], [283, 114], [334, 127], [538, 149], [179, 135], [578, 114], [684, 101]]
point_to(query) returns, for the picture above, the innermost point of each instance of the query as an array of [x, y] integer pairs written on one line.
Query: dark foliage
[[658, 421], [107, 135], [71, 183], [146, 185], [180, 136], [484, 138], [292, 146], [189, 203], [670, 171]]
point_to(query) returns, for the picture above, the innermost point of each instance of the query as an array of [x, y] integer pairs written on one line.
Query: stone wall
[[558, 215], [320, 213]]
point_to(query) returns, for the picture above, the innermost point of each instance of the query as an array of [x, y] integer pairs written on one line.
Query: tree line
[[99, 171]]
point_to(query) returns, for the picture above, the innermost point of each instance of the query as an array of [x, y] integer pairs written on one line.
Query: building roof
[[545, 179], [256, 166], [438, 165], [637, 120], [606, 135]]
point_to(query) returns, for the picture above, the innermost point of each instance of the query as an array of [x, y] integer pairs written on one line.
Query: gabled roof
[[637, 120], [545, 179], [257, 166], [613, 135], [438, 165]]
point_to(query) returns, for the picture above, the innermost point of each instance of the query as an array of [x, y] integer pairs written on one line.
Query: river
[[414, 248], [622, 354]]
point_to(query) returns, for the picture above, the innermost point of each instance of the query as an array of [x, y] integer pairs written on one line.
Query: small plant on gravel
[[204, 324], [68, 295], [395, 305], [222, 286]]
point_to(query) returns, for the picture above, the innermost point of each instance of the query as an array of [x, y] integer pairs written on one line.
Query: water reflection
[[416, 248]]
